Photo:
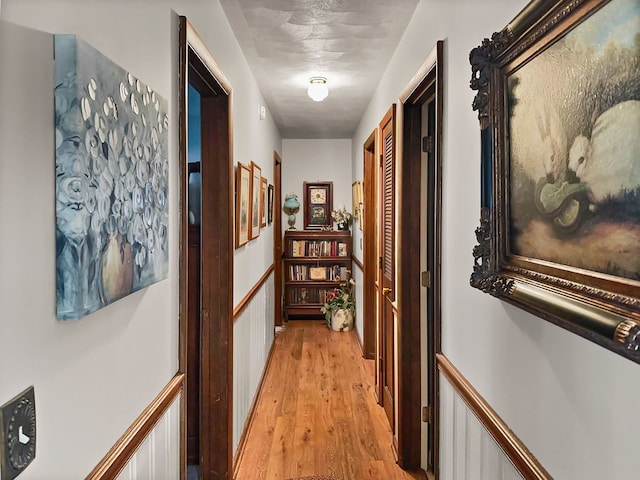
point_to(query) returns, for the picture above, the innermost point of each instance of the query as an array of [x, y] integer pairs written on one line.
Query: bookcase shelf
[[314, 262]]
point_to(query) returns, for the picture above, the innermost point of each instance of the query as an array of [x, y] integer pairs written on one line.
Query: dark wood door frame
[[370, 254], [277, 237], [197, 66], [427, 83]]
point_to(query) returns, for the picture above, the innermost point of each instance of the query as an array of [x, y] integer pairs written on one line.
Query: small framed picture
[[256, 195], [263, 202], [318, 273], [318, 203], [270, 205], [243, 204]]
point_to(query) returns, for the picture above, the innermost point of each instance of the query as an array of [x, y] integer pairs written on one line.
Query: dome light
[[318, 89]]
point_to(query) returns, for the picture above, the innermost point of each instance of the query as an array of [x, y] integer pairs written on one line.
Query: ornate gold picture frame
[[557, 99]]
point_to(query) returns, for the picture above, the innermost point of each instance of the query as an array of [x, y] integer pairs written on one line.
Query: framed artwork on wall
[[111, 181], [559, 231], [270, 205], [263, 202], [243, 204], [256, 196], [318, 203]]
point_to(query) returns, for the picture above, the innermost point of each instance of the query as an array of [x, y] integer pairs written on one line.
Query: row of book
[[318, 248], [308, 296], [319, 273]]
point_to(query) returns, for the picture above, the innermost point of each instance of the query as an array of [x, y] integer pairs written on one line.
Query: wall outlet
[[263, 112], [17, 434]]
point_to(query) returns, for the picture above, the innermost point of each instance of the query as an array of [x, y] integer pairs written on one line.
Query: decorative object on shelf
[[340, 307], [256, 196], [243, 203], [112, 180], [291, 207], [342, 217], [318, 202], [559, 232]]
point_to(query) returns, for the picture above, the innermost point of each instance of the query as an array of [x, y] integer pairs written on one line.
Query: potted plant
[[340, 307], [342, 217]]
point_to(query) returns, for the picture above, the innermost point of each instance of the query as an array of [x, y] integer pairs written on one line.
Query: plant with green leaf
[[341, 298]]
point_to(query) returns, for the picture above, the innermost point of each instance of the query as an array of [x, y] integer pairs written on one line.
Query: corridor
[[317, 414]]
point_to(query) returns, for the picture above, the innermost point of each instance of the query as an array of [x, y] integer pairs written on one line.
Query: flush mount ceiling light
[[318, 89]]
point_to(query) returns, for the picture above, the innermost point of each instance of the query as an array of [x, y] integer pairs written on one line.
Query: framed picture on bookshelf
[[317, 273], [256, 195], [263, 202], [243, 204], [318, 203]]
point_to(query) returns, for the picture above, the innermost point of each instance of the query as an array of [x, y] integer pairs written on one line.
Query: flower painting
[[574, 118], [112, 174]]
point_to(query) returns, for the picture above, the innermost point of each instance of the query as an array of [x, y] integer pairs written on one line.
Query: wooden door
[[387, 262]]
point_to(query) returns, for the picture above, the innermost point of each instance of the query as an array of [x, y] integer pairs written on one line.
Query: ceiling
[[350, 42]]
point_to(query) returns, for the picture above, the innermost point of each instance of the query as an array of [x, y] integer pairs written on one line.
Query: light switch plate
[[17, 434]]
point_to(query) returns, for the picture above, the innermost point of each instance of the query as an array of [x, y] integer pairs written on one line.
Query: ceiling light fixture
[[318, 89]]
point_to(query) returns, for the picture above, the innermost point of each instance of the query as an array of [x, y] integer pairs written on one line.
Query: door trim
[[426, 81], [217, 250], [277, 237], [370, 271]]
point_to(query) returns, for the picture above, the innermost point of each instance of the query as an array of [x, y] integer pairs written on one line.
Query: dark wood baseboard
[[249, 422], [120, 454]]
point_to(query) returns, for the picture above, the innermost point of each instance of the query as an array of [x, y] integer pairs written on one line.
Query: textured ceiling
[[288, 41]]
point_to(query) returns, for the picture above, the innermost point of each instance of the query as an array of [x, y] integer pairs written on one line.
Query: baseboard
[[249, 422], [120, 454]]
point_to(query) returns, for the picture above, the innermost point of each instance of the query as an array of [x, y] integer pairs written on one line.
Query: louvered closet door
[[387, 261]]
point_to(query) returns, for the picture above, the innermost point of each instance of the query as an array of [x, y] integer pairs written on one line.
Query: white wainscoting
[[467, 450], [158, 457], [358, 277], [253, 334]]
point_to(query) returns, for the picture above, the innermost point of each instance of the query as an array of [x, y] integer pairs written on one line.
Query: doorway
[[206, 261], [419, 281]]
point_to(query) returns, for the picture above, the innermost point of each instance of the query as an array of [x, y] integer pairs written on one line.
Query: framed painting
[[243, 204], [558, 99], [318, 203], [111, 181], [256, 196], [263, 202], [270, 205]]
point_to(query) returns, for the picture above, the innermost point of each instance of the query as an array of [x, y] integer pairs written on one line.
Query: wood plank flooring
[[317, 413]]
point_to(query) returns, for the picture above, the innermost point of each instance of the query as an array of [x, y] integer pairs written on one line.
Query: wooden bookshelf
[[314, 262]]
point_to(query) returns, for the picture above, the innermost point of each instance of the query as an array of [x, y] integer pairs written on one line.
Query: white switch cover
[[263, 112]]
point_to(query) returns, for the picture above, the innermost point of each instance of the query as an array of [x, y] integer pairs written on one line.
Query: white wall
[[253, 335], [559, 393], [94, 376], [312, 160]]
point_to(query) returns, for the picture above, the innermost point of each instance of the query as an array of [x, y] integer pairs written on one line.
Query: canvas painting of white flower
[[112, 173]]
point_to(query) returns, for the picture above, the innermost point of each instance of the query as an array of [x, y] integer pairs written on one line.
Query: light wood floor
[[317, 413]]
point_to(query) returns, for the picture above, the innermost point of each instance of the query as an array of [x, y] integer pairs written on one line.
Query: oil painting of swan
[[574, 147]]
